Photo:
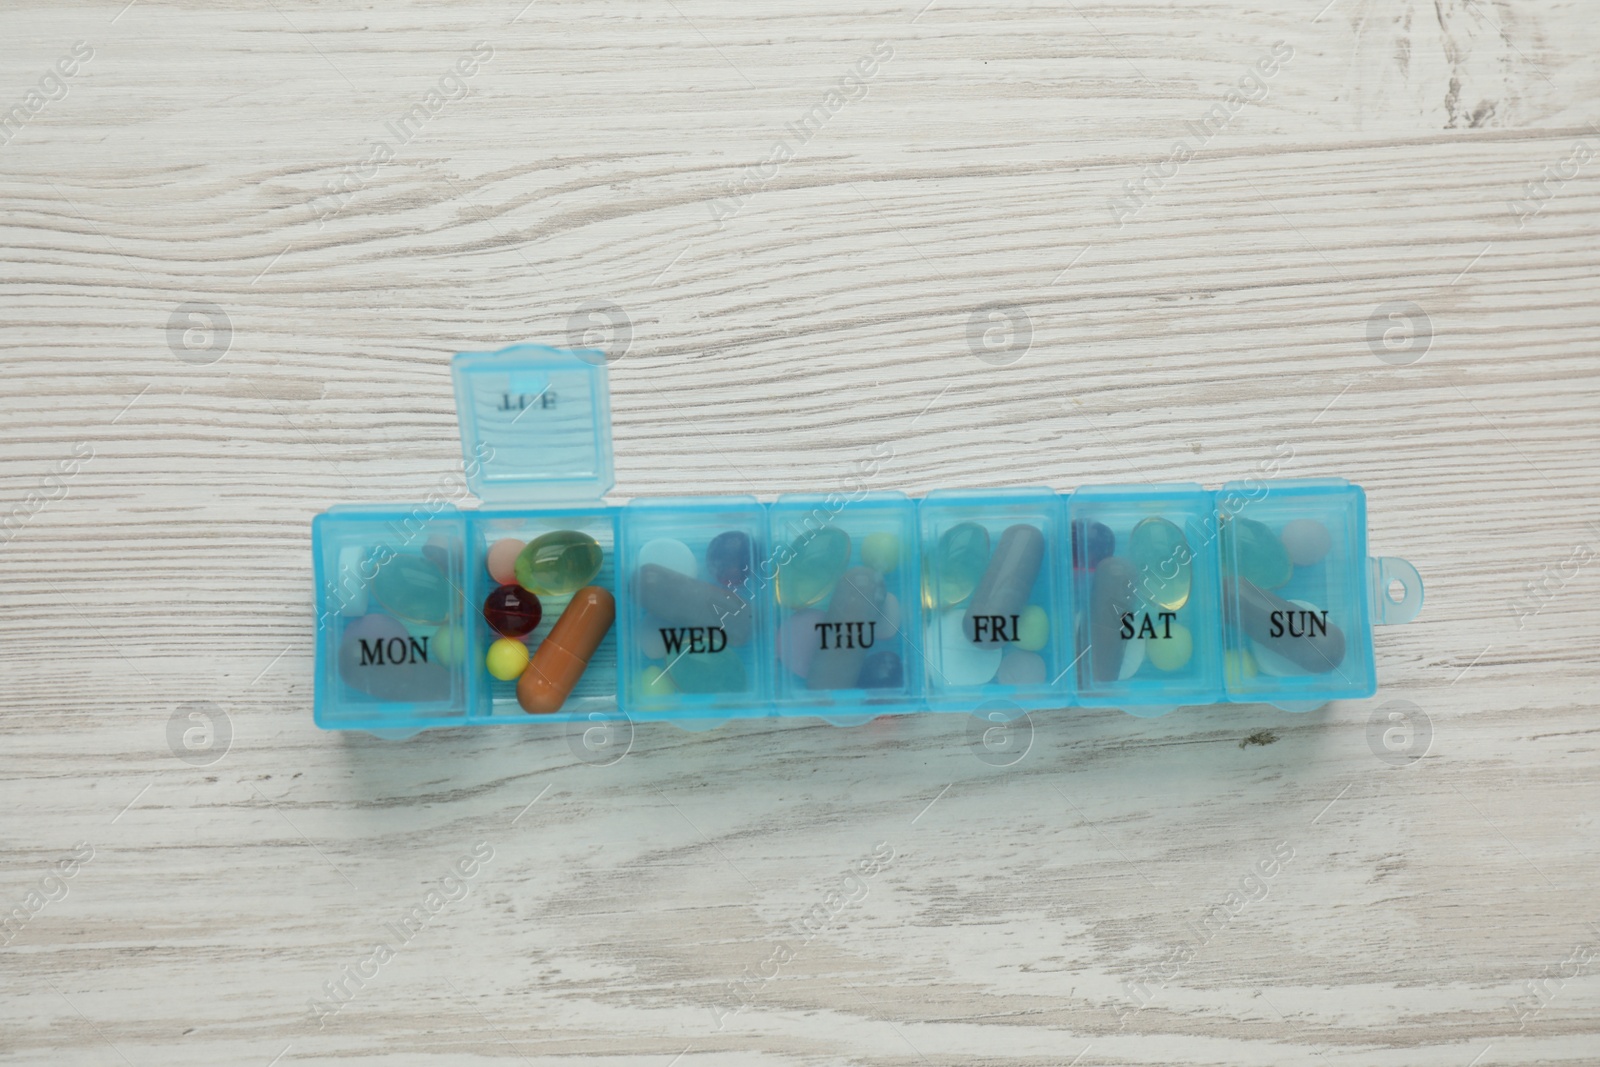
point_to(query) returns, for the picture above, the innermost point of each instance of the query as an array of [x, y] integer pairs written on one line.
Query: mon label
[[393, 651]]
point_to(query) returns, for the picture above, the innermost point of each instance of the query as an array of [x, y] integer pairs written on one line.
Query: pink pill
[[502, 560]]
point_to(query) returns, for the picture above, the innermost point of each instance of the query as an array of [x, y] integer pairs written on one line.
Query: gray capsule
[[1007, 583], [848, 631], [1283, 628], [1111, 596], [684, 601]]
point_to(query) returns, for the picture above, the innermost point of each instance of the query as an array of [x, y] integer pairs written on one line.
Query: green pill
[[559, 563], [816, 562], [881, 551], [1164, 562], [956, 567], [1250, 550]]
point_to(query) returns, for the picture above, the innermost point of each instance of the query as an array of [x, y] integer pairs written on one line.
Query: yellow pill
[[507, 658], [1238, 668], [655, 682], [450, 645], [1172, 650]]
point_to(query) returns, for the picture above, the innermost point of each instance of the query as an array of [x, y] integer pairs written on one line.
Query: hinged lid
[[535, 423]]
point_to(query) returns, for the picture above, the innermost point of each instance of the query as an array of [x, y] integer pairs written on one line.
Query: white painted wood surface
[[689, 903]]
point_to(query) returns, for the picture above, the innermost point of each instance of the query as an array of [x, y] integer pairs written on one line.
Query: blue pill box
[[843, 606]]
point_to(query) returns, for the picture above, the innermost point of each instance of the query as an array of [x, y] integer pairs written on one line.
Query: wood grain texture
[[701, 901]]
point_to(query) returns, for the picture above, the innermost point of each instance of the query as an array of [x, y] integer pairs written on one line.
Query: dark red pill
[[512, 611]]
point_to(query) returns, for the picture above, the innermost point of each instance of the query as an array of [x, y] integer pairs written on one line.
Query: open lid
[[535, 423]]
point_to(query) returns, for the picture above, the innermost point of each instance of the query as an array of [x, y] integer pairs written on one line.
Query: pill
[[1307, 541], [1238, 668], [564, 655], [1172, 650], [953, 570], [1020, 667], [379, 657], [848, 631], [882, 670], [683, 601], [812, 567], [502, 560], [655, 682], [669, 553], [1110, 597], [729, 556], [558, 563], [797, 640], [1033, 628], [1165, 561], [512, 611], [709, 672], [1253, 552], [1006, 584], [1091, 542], [411, 586], [881, 551], [506, 658], [960, 662], [450, 645], [1300, 635]]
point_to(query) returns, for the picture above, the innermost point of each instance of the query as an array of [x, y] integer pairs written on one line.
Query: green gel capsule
[[1161, 555], [716, 672], [957, 566], [559, 563], [815, 563], [1250, 550]]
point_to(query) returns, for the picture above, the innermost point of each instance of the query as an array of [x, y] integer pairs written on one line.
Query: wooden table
[[1021, 244]]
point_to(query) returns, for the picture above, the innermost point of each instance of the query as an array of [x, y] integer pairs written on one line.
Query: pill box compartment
[[695, 597], [562, 530], [993, 592], [1001, 593], [845, 598], [391, 639], [1147, 619], [1294, 574]]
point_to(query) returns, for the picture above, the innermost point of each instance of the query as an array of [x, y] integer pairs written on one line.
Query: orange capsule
[[564, 655]]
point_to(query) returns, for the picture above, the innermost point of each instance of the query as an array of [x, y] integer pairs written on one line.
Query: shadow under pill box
[[547, 603]]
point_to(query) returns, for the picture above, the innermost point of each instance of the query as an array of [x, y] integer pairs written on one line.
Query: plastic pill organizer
[[547, 603]]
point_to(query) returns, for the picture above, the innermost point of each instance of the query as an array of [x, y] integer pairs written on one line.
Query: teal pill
[[815, 563], [952, 574], [412, 587], [1253, 552], [708, 672], [881, 551], [1164, 562]]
